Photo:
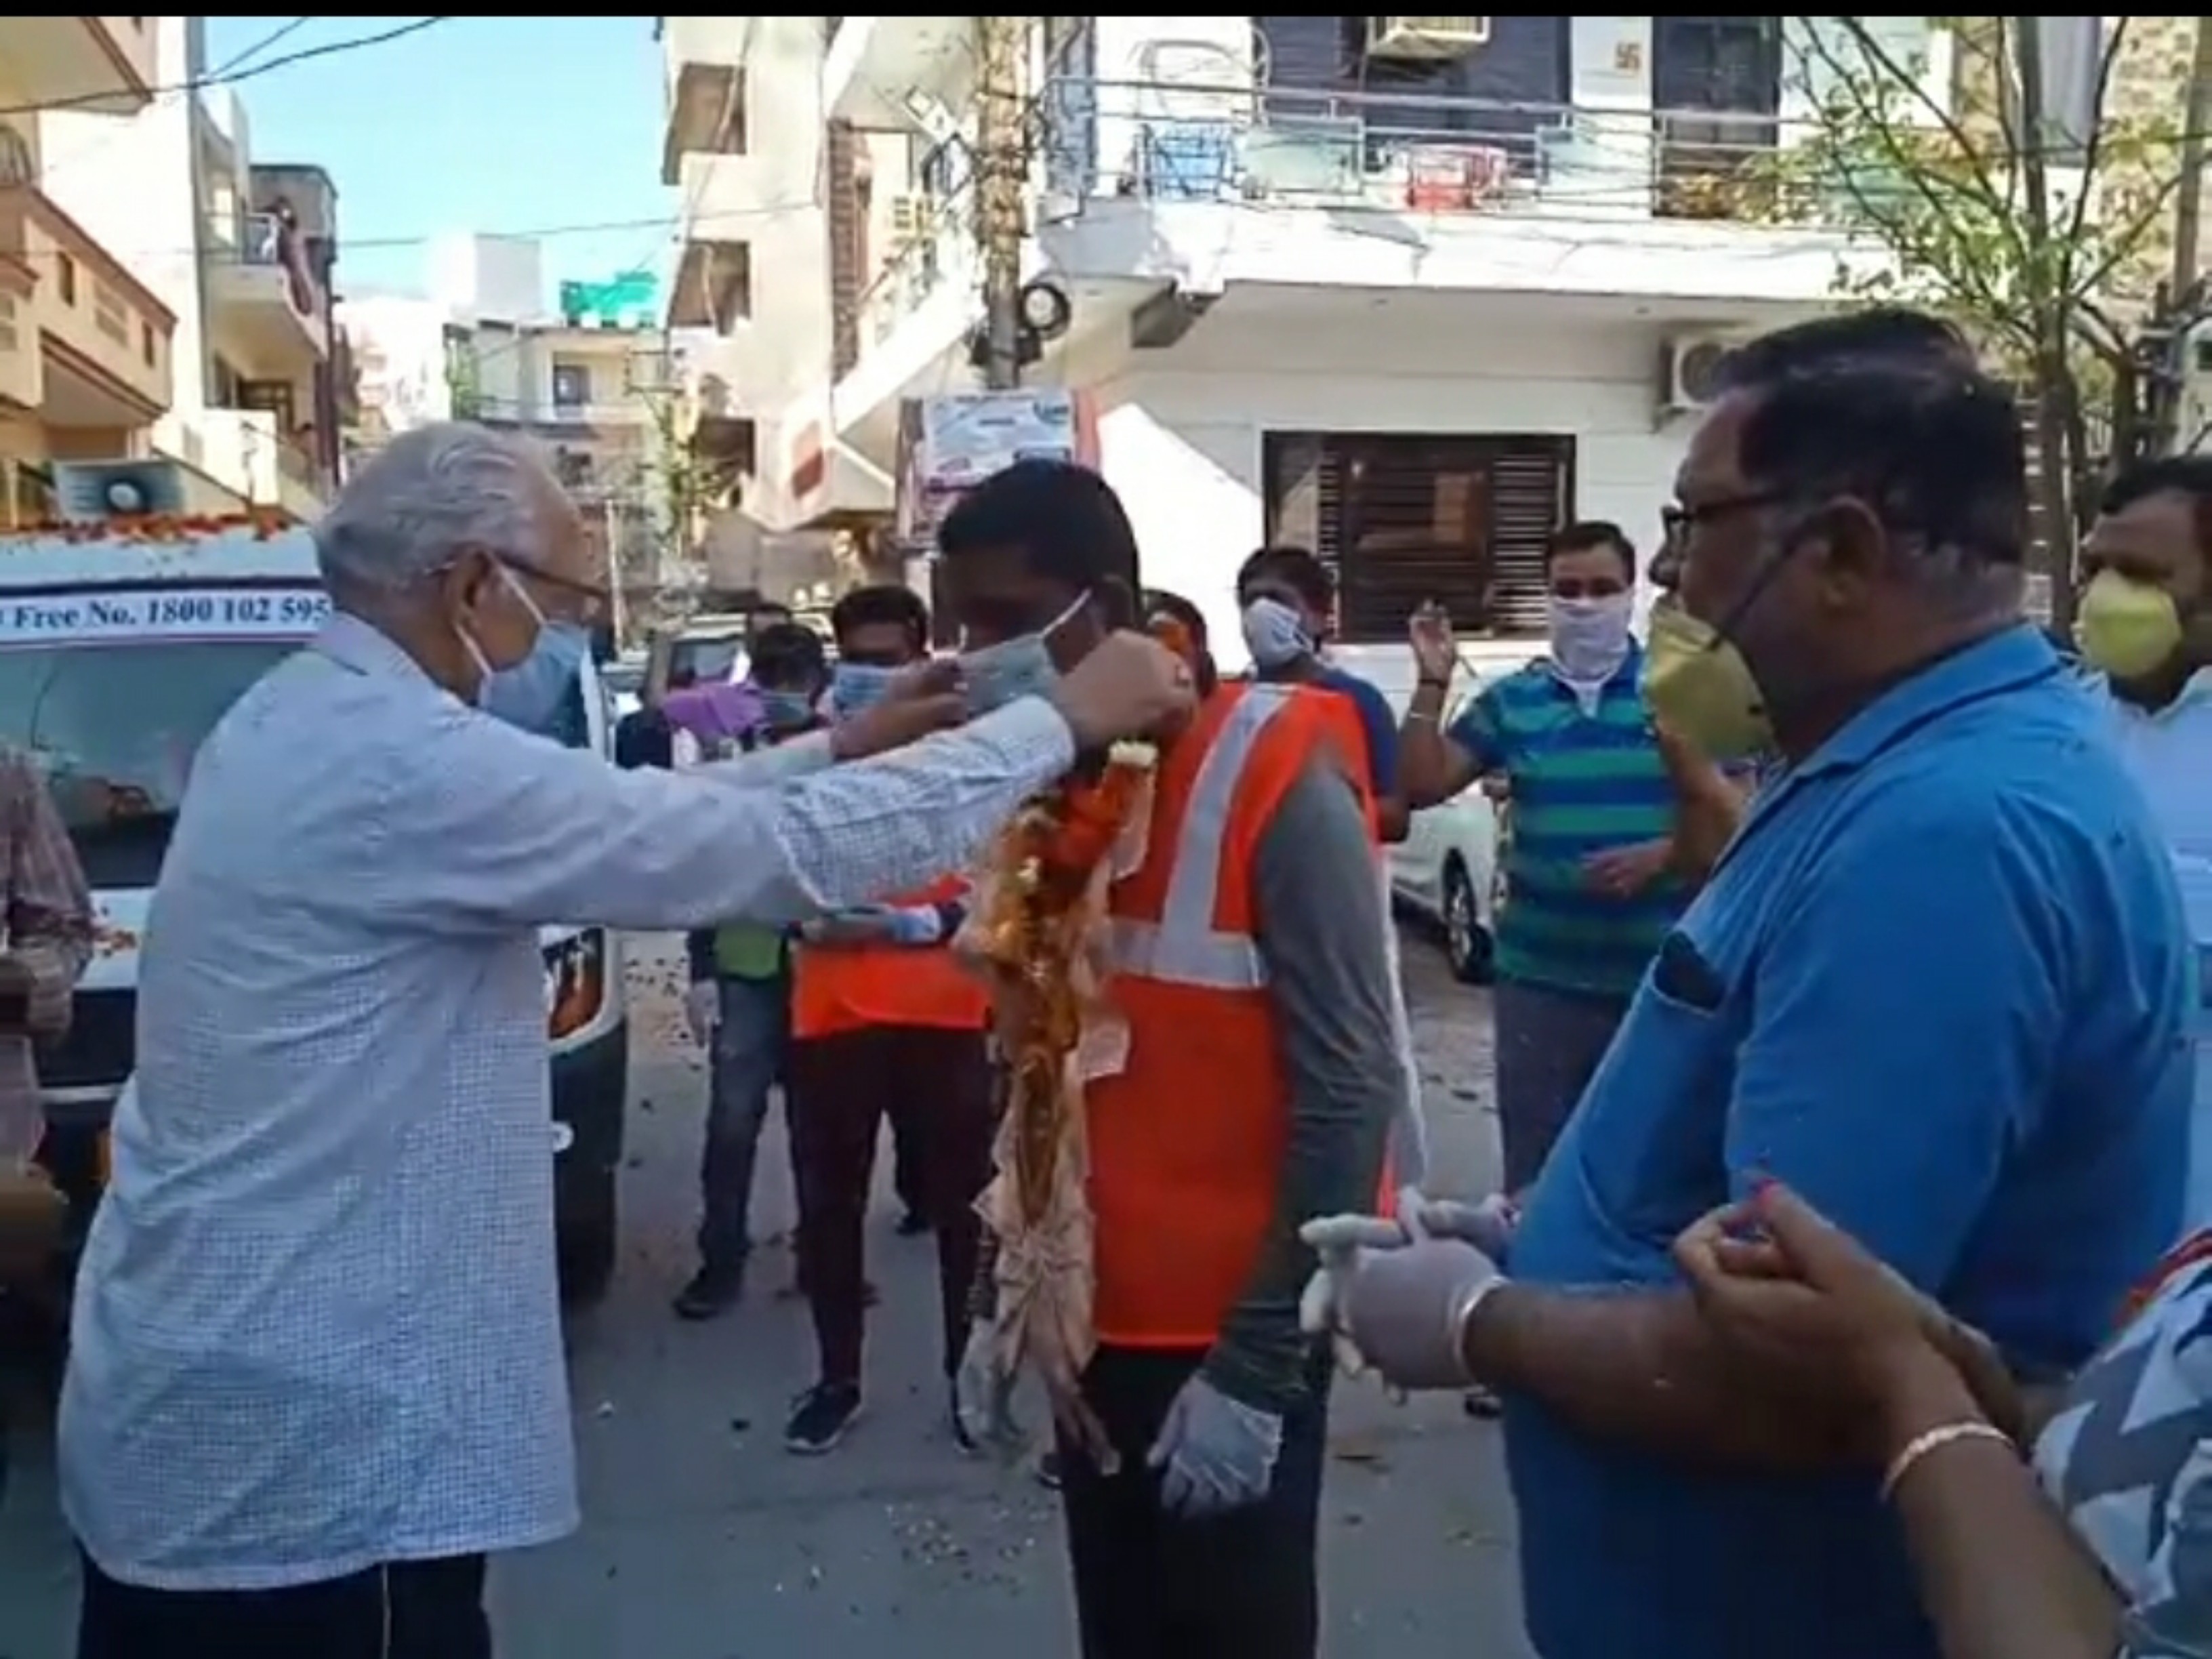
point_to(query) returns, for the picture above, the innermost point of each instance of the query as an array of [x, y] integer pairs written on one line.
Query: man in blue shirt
[[1938, 983]]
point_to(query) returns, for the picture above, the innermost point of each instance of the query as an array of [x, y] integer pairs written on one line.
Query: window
[[146, 347], [109, 315], [1405, 517], [572, 386], [65, 277]]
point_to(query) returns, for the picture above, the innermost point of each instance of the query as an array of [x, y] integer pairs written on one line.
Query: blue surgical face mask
[[787, 711], [533, 693], [996, 675], [854, 686]]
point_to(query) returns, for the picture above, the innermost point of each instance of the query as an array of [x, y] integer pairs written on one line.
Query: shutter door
[[1403, 519]]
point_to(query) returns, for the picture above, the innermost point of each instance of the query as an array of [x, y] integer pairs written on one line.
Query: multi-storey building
[[482, 344], [84, 343], [1410, 291], [240, 257], [761, 306]]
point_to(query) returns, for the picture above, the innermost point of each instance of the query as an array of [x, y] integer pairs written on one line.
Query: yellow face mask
[[2125, 627], [1700, 687]]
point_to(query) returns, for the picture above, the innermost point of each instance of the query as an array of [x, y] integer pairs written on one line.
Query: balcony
[[267, 307], [101, 338], [103, 65], [877, 68], [495, 408], [1207, 184], [713, 286], [703, 59], [246, 452]]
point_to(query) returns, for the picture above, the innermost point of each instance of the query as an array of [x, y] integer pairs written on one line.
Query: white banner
[[93, 617]]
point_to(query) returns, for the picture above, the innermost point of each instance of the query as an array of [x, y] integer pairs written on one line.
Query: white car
[[1446, 872]]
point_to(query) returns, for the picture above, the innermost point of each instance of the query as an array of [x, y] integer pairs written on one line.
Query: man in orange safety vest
[[1258, 1089]]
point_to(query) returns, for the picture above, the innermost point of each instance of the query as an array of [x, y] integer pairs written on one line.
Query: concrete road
[[704, 1539]]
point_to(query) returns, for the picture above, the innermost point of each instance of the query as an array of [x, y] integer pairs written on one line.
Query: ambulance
[[123, 637]]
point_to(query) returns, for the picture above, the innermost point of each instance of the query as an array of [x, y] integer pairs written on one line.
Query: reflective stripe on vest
[[1183, 947]]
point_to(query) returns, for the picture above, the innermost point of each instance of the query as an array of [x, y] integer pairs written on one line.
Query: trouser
[[746, 1059], [1549, 1043], [1152, 1585], [402, 1610], [841, 1088]]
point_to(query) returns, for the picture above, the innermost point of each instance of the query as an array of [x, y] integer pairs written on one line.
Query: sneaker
[[1481, 1403], [821, 1417], [1047, 1470], [912, 1224], [712, 1290]]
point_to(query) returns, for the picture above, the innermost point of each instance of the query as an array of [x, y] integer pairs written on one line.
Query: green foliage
[[1943, 185]]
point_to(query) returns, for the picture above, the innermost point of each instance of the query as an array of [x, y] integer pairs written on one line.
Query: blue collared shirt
[[1941, 984]]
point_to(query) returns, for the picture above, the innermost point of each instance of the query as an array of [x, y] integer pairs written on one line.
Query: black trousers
[[406, 1610], [1152, 1585]]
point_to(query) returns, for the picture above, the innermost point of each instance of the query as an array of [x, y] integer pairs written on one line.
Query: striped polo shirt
[[1583, 782]]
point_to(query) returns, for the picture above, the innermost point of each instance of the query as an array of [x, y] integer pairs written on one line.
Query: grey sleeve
[[1319, 906]]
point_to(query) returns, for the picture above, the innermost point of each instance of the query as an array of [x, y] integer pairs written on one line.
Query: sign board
[[200, 614], [949, 444]]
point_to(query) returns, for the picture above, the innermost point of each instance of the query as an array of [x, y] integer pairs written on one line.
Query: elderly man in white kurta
[[317, 1372]]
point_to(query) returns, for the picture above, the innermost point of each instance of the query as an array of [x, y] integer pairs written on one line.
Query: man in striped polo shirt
[[1588, 892]]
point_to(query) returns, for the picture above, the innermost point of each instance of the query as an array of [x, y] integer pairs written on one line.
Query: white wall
[[1183, 445]]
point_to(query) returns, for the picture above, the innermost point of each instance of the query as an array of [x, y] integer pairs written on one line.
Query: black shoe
[[1480, 1401], [823, 1414], [961, 1437], [1047, 1471], [912, 1224], [712, 1290]]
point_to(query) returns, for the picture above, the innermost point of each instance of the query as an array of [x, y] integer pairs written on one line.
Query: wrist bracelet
[[1935, 1439], [1461, 1314], [1422, 716]]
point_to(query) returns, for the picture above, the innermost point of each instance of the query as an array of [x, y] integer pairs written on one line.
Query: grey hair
[[427, 496]]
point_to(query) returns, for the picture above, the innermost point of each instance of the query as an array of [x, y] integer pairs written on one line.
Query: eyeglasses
[[594, 604], [1677, 521]]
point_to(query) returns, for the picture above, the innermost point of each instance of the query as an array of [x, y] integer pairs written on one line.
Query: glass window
[[115, 730]]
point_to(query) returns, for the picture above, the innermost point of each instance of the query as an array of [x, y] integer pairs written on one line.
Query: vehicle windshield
[[707, 659], [115, 731]]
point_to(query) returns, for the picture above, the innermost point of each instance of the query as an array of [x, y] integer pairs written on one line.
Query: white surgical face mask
[[1275, 635], [1589, 637]]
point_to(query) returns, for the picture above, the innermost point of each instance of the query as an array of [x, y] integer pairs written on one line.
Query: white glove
[[702, 1011], [1488, 1225], [983, 1395], [1214, 1454], [1402, 1300]]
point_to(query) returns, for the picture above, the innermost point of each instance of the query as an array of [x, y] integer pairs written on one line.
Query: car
[[1448, 873]]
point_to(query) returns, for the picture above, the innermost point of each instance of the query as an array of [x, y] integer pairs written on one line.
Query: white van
[[119, 649]]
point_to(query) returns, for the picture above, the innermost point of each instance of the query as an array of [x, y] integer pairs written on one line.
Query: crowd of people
[[1840, 1292]]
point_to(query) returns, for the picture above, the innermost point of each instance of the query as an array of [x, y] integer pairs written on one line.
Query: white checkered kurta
[[317, 1326]]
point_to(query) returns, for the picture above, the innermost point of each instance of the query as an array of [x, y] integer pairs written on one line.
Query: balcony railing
[[1404, 152], [265, 240], [940, 252]]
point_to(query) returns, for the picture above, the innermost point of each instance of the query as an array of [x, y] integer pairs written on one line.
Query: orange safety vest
[[1187, 1142], [841, 988]]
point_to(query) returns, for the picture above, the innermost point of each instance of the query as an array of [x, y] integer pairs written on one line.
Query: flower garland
[[1037, 932]]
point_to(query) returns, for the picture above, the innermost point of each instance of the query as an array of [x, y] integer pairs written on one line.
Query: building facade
[[85, 343], [242, 257]]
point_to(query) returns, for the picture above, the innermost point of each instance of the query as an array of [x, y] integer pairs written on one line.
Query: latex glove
[[983, 1395], [1402, 1301], [1488, 1225], [1214, 1454], [702, 1011]]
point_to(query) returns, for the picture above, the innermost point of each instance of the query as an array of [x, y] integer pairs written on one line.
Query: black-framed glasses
[[594, 603], [1677, 521]]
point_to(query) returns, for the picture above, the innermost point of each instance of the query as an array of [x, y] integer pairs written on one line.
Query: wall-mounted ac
[[1690, 368], [913, 216], [1425, 38], [86, 492]]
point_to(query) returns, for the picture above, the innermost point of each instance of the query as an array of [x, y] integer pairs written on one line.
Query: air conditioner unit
[[1425, 38], [85, 492], [913, 216], [1690, 369]]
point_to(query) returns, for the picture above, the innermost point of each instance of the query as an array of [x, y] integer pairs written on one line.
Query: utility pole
[[2053, 384], [617, 577], [2188, 204], [1001, 187]]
